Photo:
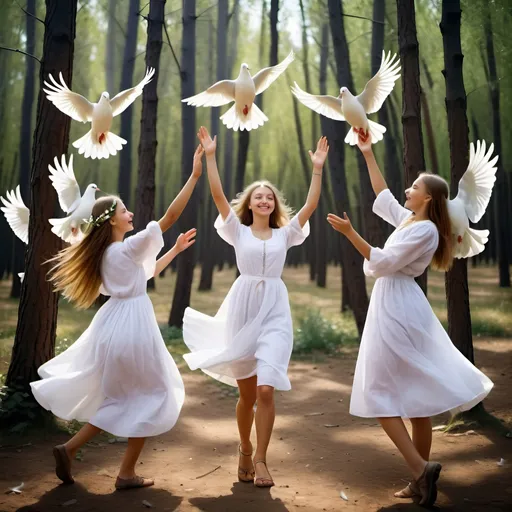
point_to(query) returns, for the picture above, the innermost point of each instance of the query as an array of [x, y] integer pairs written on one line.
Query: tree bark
[[110, 61], [124, 184], [34, 342], [431, 141], [188, 219], [414, 159], [25, 138], [500, 187], [457, 291], [145, 202]]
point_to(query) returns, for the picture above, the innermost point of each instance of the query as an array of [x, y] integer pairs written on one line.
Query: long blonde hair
[[77, 269], [437, 212], [278, 218]]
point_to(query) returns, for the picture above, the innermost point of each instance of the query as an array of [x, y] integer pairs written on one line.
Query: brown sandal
[[244, 475], [262, 481], [410, 491], [63, 464], [427, 483], [136, 482]]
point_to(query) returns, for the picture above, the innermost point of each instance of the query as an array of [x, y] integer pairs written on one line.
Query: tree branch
[[30, 14], [143, 8], [19, 51], [172, 49], [363, 18], [206, 10]]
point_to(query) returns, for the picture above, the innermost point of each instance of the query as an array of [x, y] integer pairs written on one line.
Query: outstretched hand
[[185, 240], [364, 140], [209, 144], [344, 225], [197, 167], [322, 148]]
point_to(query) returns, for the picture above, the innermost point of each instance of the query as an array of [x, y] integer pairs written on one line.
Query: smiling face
[[262, 201], [122, 221], [417, 196]]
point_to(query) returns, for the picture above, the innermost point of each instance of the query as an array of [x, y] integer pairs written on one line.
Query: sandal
[[244, 475], [410, 491], [262, 481], [63, 464], [427, 483], [133, 483]]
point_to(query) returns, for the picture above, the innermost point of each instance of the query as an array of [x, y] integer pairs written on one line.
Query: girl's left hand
[[344, 225], [197, 167], [322, 148], [185, 240]]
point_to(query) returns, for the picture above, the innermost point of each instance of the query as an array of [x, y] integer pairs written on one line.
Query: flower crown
[[104, 216]]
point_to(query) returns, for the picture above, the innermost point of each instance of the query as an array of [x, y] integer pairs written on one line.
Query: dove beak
[[340, 95]]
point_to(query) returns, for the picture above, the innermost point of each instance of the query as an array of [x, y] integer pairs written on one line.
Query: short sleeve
[[421, 239], [389, 209], [143, 247], [295, 235], [229, 229]]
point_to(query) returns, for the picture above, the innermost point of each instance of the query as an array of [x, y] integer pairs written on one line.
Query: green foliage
[[318, 334], [18, 409]]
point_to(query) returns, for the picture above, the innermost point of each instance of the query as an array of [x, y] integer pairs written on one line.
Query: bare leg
[[265, 416], [244, 419], [85, 434], [396, 431], [422, 436], [127, 469]]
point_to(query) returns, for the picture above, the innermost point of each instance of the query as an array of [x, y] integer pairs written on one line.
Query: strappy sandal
[[63, 464], [244, 475], [427, 483], [410, 491], [262, 481], [136, 482]]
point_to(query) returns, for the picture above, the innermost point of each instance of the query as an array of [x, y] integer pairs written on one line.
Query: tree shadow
[[127, 501], [244, 496], [408, 507]]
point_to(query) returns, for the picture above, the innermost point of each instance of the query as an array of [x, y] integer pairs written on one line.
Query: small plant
[[172, 335]]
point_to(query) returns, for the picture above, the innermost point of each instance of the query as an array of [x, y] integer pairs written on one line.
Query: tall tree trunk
[[414, 159], [34, 342], [393, 170], [25, 138], [188, 219], [502, 219], [431, 141], [373, 225], [145, 202], [110, 61], [124, 184]]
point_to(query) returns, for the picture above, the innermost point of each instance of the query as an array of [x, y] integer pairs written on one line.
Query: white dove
[[17, 215], [475, 189], [244, 114], [78, 207], [353, 109], [99, 142]]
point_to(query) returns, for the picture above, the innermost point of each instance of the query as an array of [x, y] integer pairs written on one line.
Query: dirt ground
[[313, 457]]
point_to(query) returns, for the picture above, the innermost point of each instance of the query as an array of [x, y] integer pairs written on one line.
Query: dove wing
[[380, 86], [120, 102], [64, 182], [218, 94], [72, 104], [16, 213], [475, 186], [328, 106], [266, 76]]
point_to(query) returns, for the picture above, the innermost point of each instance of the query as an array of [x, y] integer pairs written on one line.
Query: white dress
[[407, 365], [252, 332], [119, 375]]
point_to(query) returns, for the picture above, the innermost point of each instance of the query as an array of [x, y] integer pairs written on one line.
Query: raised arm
[[178, 205], [378, 182], [318, 159], [218, 195]]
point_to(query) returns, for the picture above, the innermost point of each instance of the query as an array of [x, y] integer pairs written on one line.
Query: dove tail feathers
[[99, 146], [473, 243], [236, 120], [376, 131], [62, 228]]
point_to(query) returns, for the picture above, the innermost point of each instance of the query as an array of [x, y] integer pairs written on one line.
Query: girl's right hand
[[185, 240], [364, 140], [208, 144]]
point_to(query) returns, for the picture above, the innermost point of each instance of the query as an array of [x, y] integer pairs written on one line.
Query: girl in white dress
[[249, 341], [407, 366], [118, 376]]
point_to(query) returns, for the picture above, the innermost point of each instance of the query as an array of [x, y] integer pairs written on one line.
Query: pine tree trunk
[[25, 138], [145, 194], [188, 219], [110, 61], [124, 184], [457, 291], [431, 141], [34, 343], [414, 159]]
